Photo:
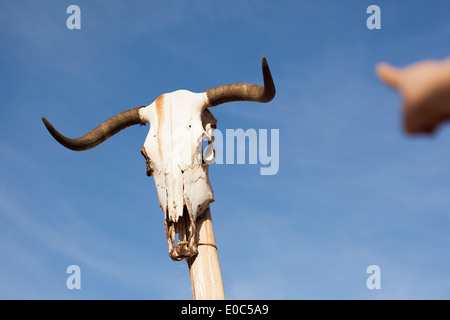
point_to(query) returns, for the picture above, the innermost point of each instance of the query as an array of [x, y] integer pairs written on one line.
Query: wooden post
[[204, 268]]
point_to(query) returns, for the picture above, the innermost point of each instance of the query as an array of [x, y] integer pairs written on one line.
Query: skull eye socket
[[209, 154], [147, 162]]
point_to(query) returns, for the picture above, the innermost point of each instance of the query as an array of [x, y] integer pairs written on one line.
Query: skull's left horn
[[244, 91], [104, 131]]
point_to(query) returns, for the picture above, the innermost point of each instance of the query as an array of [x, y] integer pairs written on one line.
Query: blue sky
[[352, 189]]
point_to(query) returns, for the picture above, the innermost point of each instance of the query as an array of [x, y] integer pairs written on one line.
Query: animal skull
[[179, 122]]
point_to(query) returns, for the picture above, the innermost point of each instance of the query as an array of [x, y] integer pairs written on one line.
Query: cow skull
[[179, 122]]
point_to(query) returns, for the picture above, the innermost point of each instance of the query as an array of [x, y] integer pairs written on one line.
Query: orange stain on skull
[[159, 104]]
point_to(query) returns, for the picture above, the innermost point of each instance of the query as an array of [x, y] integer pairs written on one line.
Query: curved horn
[[104, 131], [244, 91]]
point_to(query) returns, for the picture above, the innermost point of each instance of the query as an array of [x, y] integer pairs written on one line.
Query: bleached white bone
[[179, 122], [174, 147]]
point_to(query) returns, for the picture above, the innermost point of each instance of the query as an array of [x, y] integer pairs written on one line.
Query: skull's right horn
[[244, 91], [105, 130]]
